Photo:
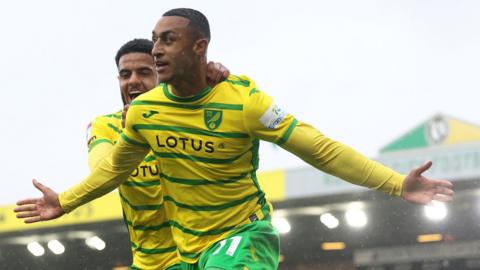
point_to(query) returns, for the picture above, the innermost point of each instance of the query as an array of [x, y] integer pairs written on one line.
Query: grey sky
[[363, 72]]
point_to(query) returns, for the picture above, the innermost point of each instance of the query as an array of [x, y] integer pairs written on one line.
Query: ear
[[200, 47]]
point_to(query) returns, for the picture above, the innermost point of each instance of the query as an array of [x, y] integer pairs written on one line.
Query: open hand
[[39, 209], [421, 190]]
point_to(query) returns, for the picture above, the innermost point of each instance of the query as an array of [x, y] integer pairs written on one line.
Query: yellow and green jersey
[[207, 147], [141, 199]]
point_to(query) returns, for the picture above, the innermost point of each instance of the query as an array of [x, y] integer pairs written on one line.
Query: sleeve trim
[[253, 91], [287, 133], [97, 142], [131, 141]]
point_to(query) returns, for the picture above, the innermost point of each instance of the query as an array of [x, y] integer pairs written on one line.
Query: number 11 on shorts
[[234, 242]]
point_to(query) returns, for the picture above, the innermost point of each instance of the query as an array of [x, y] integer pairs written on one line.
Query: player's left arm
[[267, 121]]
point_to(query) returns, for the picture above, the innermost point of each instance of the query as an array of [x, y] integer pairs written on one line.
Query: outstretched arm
[[265, 120], [108, 175], [342, 161]]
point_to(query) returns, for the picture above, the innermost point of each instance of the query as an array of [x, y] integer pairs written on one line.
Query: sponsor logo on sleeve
[[273, 116]]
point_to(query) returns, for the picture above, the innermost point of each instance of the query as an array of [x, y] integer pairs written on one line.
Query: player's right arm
[[109, 174], [113, 170], [127, 154]]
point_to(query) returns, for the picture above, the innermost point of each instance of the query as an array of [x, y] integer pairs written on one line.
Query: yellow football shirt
[[207, 149], [141, 199]]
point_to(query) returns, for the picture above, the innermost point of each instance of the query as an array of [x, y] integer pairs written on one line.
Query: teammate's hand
[[40, 209], [421, 190], [216, 73], [124, 114]]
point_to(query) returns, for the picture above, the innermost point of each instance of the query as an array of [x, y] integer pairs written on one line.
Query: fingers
[[28, 214], [40, 186], [33, 220], [220, 69], [446, 191], [223, 72], [24, 208], [444, 188], [443, 183], [216, 73], [443, 191], [442, 198], [226, 73], [28, 201], [28, 211], [418, 171], [210, 70]]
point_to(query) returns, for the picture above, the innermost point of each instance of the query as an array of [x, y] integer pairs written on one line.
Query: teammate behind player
[[206, 142], [140, 195]]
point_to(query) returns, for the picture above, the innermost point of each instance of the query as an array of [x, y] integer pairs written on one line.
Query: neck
[[192, 83]]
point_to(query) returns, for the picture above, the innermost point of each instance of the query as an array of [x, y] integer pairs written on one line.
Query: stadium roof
[[437, 130]]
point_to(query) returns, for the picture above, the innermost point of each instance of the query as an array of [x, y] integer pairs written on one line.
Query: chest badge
[[212, 118]]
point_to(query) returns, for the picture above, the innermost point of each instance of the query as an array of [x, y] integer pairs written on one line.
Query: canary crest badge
[[213, 118]]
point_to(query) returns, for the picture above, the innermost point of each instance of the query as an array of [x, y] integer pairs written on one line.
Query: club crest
[[212, 118]]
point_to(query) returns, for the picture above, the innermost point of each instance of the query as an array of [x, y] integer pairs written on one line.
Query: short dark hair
[[198, 21], [138, 45]]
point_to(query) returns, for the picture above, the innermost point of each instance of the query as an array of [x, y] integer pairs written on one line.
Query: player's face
[[136, 75], [173, 49]]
